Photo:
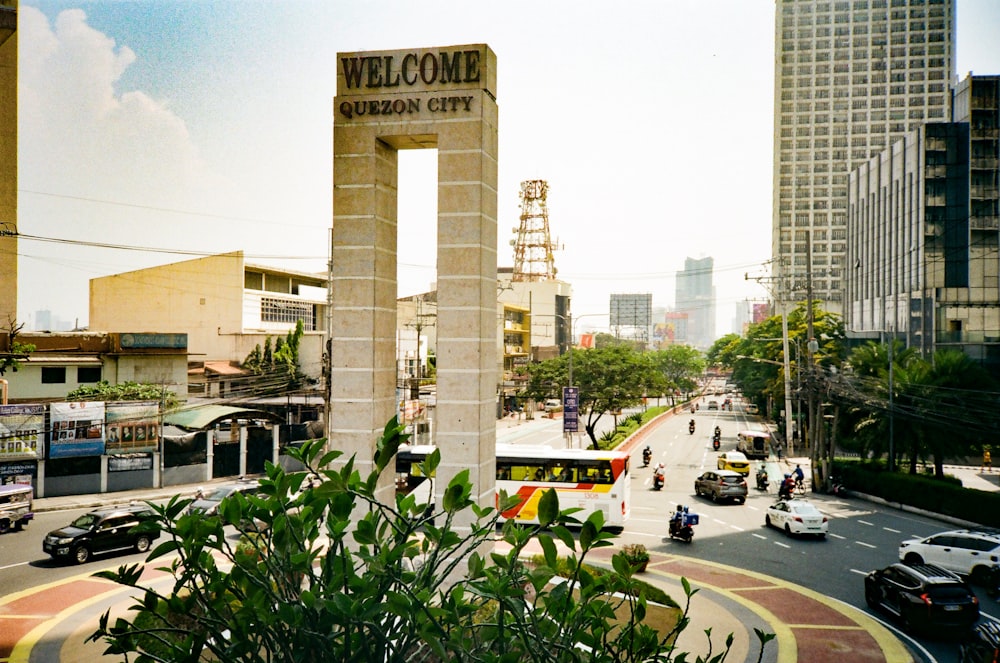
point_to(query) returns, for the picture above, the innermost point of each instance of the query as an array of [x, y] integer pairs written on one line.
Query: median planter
[[637, 556]]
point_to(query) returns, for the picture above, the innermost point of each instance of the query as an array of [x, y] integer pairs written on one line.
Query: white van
[[752, 409]]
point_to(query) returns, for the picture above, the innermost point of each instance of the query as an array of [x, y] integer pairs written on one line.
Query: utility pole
[[811, 347], [782, 301]]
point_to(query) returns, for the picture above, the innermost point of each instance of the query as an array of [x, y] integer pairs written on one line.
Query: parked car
[[553, 405], [15, 506], [796, 517], [735, 461], [208, 503], [103, 530], [721, 484], [970, 552], [923, 596]]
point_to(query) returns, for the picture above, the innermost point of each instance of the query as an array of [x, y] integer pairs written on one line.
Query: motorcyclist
[[691, 426], [718, 432], [647, 453], [659, 476], [787, 487], [676, 517], [762, 479]]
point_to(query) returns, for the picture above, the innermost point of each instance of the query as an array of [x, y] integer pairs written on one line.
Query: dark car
[[923, 596], [208, 503], [102, 530], [722, 484]]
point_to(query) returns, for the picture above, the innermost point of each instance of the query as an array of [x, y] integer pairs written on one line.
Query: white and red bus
[[583, 478]]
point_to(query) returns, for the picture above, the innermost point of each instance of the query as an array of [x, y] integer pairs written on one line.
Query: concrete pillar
[[440, 98]]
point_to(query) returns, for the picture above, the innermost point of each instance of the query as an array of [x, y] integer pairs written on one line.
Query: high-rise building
[[695, 296], [849, 79], [923, 220]]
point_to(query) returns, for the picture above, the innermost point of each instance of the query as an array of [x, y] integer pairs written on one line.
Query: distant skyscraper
[[696, 297], [849, 79]]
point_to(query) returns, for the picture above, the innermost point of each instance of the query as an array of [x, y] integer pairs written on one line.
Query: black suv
[[923, 596], [102, 530]]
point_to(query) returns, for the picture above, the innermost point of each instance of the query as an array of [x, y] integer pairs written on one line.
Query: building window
[[283, 310], [88, 374], [53, 375]]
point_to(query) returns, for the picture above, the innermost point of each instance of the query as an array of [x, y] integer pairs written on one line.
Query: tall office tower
[[695, 295], [850, 77]]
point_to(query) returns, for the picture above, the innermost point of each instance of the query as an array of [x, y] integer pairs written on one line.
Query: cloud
[[80, 136]]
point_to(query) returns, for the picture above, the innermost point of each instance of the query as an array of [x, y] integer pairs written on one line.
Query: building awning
[[218, 368], [75, 360], [201, 417]]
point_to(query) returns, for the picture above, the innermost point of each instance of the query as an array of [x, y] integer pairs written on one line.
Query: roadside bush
[[945, 496]]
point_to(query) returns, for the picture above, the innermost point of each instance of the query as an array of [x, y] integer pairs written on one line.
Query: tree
[[332, 574], [680, 366], [609, 379], [278, 369], [16, 351]]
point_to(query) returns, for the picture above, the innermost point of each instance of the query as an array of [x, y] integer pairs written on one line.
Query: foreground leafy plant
[[324, 571]]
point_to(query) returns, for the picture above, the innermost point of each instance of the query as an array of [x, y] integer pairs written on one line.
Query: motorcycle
[[716, 441], [682, 525], [691, 428], [647, 455], [762, 480], [787, 489], [658, 478], [837, 488]]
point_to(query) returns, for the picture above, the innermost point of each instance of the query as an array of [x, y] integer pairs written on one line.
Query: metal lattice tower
[[533, 248]]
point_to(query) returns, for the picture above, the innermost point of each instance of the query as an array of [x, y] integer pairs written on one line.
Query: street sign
[[571, 409]]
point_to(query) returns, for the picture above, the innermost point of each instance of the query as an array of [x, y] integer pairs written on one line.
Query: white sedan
[[796, 517]]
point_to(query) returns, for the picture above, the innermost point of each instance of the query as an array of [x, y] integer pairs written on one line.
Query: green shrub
[[945, 496]]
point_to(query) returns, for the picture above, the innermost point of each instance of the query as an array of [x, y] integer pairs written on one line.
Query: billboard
[[631, 310], [22, 432], [77, 429], [132, 427]]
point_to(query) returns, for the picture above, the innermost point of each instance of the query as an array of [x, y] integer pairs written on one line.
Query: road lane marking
[[894, 531], [10, 566], [760, 536], [860, 573], [865, 522], [783, 545], [836, 536], [866, 545]]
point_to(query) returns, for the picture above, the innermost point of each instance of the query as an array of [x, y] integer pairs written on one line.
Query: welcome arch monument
[[443, 98]]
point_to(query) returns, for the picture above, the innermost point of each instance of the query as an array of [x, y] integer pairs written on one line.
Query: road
[[863, 536]]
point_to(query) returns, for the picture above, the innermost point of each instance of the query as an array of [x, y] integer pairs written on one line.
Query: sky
[[180, 129]]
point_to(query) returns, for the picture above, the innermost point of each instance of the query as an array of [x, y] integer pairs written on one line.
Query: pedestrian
[[987, 461]]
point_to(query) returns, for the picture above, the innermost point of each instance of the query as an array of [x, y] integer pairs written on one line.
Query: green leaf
[[548, 507], [548, 550]]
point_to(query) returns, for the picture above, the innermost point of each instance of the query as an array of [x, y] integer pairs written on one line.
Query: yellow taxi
[[735, 461]]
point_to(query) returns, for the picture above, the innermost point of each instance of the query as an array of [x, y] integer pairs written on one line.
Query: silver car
[[722, 485]]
